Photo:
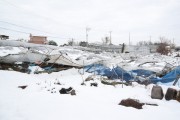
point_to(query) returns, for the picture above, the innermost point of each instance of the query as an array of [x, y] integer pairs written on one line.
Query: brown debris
[[94, 84], [22, 87], [134, 103], [69, 90], [23, 67], [178, 96], [131, 103], [171, 94], [16, 67]]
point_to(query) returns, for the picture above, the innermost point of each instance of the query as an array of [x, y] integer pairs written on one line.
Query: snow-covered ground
[[41, 99]]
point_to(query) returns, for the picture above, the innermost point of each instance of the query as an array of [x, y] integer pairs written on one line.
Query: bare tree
[[83, 43], [144, 43], [164, 47], [106, 40], [71, 42], [52, 42]]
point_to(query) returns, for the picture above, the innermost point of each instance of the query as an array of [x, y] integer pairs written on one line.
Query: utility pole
[[87, 30], [110, 37], [129, 39], [72, 42], [150, 43]]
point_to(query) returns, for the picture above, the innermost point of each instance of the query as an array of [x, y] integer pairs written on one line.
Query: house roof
[[39, 36]]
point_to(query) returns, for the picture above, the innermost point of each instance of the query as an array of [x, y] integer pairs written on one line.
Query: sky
[[63, 20]]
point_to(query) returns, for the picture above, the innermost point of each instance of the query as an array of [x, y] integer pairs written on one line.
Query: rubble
[[22, 87], [94, 84], [69, 90], [24, 67], [171, 94], [131, 103], [157, 92], [114, 83], [134, 103], [178, 96]]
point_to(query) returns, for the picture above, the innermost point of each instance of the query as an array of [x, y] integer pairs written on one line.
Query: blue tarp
[[143, 73], [169, 77], [114, 73]]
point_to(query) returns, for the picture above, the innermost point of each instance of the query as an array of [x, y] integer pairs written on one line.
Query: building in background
[[143, 49], [38, 39]]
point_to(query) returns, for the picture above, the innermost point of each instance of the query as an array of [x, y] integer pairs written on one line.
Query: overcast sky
[[65, 19]]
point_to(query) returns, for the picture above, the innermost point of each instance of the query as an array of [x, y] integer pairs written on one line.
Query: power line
[[35, 14], [14, 30], [23, 26], [56, 36], [33, 29], [41, 16], [31, 12], [26, 11], [30, 29], [27, 33], [46, 17]]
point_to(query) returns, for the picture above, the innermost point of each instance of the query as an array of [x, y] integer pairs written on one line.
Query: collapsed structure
[[34, 53], [52, 58]]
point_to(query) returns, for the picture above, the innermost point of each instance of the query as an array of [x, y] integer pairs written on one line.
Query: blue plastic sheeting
[[169, 77], [143, 73], [115, 73], [97, 69]]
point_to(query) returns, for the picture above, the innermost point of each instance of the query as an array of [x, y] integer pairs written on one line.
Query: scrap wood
[[177, 78], [152, 104], [114, 83]]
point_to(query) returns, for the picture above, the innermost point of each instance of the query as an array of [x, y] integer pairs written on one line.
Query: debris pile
[[69, 90], [114, 73], [94, 84], [131, 103], [22, 87], [134, 103], [171, 93], [25, 67]]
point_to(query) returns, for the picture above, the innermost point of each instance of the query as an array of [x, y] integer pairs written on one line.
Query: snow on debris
[[9, 50]]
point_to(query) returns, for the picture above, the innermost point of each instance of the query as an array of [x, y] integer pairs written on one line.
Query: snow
[[9, 50], [36, 102], [41, 99], [14, 43]]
